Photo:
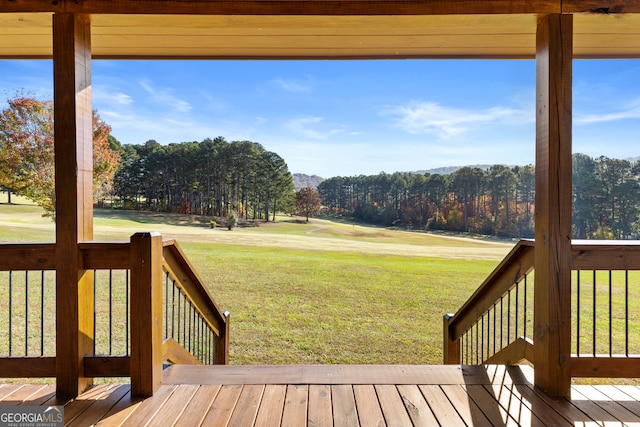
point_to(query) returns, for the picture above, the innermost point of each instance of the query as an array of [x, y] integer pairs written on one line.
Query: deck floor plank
[[6, 391], [19, 395], [395, 413], [247, 406], [76, 407], [42, 395], [148, 407], [271, 406], [345, 412], [442, 408], [196, 409], [295, 406], [618, 411], [490, 395], [175, 405], [517, 410], [546, 413], [468, 410], [368, 406], [417, 407], [487, 401], [320, 413], [566, 409], [223, 406], [594, 411], [95, 412], [121, 410]]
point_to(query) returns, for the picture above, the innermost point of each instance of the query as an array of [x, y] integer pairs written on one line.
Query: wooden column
[[146, 313], [450, 348], [74, 204], [552, 314]]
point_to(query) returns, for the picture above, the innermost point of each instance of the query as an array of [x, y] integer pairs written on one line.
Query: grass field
[[318, 292]]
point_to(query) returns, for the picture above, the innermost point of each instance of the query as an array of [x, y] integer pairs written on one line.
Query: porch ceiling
[[28, 35]]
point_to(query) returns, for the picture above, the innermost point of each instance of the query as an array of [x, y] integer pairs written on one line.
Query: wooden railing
[[496, 324], [150, 308]]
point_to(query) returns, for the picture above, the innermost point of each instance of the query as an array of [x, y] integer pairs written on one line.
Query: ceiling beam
[[285, 7]]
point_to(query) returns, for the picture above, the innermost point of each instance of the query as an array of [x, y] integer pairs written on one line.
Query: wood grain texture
[[270, 412], [320, 412], [146, 313], [74, 198], [27, 256], [552, 313], [345, 412], [286, 7], [338, 374], [25, 367], [197, 407], [605, 367], [421, 35], [295, 405], [500, 402], [369, 410]]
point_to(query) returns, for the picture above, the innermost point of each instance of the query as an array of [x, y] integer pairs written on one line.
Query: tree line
[[213, 177], [496, 201]]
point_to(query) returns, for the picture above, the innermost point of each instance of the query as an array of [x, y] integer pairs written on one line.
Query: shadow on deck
[[319, 395]]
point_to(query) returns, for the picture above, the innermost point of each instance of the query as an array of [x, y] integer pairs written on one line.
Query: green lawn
[[318, 292]]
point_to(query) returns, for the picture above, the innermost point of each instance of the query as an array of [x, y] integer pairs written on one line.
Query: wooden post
[[552, 313], [222, 356], [146, 313], [450, 348], [74, 203]]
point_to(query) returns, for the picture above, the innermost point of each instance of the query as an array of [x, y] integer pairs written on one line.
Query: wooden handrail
[[511, 270], [181, 270], [27, 256], [605, 255]]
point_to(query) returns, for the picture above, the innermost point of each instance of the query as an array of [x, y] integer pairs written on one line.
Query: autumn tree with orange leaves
[[308, 202], [27, 152]]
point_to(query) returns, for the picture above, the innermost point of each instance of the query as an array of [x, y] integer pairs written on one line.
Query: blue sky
[[354, 117]]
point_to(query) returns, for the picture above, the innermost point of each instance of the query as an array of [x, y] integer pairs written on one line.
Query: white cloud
[[446, 122], [294, 85], [165, 97], [630, 111], [102, 94], [313, 127]]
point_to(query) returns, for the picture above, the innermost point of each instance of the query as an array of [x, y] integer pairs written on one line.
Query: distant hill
[[301, 180], [447, 170]]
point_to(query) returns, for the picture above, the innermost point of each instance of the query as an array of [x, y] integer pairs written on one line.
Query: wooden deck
[[339, 395]]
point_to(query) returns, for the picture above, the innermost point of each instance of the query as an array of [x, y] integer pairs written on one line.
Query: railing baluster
[[26, 313], [610, 314], [110, 312], [11, 313], [95, 307], [501, 320], [517, 309], [482, 338], [42, 313], [626, 313], [127, 311], [524, 331], [593, 338], [509, 316], [177, 335], [166, 305], [578, 298], [494, 328]]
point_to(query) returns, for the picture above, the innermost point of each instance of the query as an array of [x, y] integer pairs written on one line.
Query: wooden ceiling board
[[28, 35]]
